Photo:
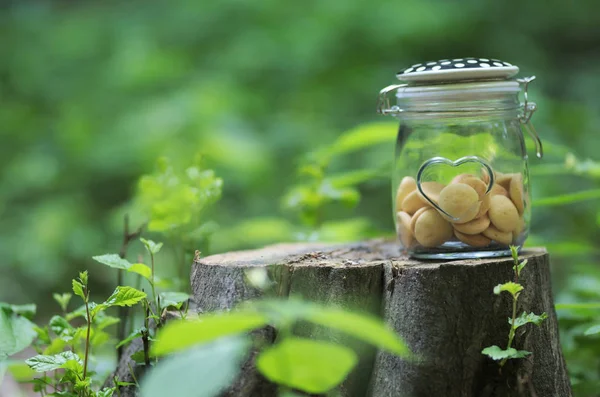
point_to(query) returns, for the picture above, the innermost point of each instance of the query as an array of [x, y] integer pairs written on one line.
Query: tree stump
[[445, 311]]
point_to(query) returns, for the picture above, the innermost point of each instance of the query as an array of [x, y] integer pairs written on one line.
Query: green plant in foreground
[[152, 308], [61, 345], [204, 354], [514, 289]]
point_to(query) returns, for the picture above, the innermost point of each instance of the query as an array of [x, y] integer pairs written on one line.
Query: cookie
[[515, 191], [431, 229], [476, 226], [403, 228], [503, 213], [407, 185], [474, 240], [460, 201], [498, 235]]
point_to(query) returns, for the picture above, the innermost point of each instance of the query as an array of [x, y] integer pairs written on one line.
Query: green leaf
[[57, 345], [513, 288], [496, 353], [102, 321], [16, 333], [152, 247], [366, 328], [120, 384], [83, 384], [78, 289], [134, 335], [68, 359], [106, 392], [112, 260], [202, 371], [568, 198], [139, 357], [361, 326], [125, 296], [96, 309], [20, 371], [364, 136], [520, 267], [173, 299], [60, 326], [525, 318], [63, 300], [593, 330], [308, 365], [142, 270], [27, 310], [83, 277], [514, 251], [182, 334]]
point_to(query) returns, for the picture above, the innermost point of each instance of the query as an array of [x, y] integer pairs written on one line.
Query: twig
[[145, 339], [117, 387], [131, 372], [122, 313]]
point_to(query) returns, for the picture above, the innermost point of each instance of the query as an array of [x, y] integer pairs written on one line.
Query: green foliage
[[63, 300], [593, 330], [175, 299], [361, 326], [78, 288], [315, 366], [65, 360], [511, 287], [16, 331], [174, 201], [141, 269], [125, 296], [530, 318], [568, 198], [214, 366], [132, 336], [498, 354], [112, 260], [67, 347], [514, 289], [152, 247], [180, 335]]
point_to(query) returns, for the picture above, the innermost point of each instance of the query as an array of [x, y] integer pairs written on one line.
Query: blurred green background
[[93, 93]]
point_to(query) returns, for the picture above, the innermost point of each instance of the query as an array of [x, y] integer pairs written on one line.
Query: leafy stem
[[513, 328], [514, 289], [127, 238], [154, 295], [145, 335], [89, 326]]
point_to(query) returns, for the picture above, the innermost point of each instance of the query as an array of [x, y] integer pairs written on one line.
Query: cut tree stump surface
[[444, 310]]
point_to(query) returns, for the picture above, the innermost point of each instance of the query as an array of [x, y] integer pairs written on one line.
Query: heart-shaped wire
[[460, 161]]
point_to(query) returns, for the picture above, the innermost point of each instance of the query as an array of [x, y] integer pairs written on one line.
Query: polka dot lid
[[458, 69]]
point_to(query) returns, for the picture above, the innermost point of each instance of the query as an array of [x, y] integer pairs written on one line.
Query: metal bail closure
[[383, 102], [528, 109]]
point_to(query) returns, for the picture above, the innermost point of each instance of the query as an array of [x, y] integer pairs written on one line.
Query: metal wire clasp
[[528, 109], [383, 102]]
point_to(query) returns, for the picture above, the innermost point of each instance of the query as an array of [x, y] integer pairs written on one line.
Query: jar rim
[[467, 91]]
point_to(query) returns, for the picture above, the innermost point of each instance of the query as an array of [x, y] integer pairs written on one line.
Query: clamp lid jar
[[461, 185]]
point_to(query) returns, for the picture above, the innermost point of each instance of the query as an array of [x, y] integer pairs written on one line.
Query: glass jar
[[461, 180]]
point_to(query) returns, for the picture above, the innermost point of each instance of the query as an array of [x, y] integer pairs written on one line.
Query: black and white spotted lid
[[458, 69]]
